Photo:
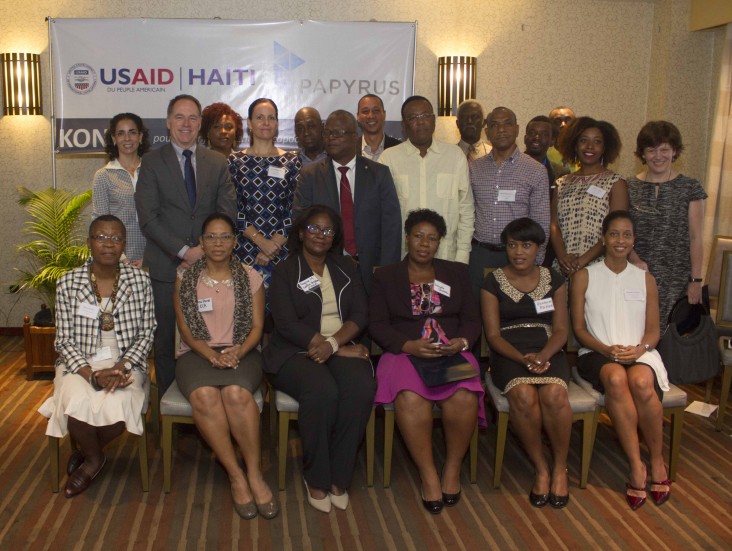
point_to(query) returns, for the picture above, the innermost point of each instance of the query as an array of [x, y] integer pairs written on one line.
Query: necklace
[[106, 319]]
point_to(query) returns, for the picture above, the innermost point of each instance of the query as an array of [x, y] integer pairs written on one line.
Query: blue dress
[[265, 189]]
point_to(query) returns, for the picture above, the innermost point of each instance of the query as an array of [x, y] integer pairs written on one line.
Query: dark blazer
[[388, 142], [377, 216], [391, 322], [297, 313], [163, 210]]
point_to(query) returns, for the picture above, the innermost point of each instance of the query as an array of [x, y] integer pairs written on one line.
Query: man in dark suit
[[375, 221], [371, 119], [179, 186]]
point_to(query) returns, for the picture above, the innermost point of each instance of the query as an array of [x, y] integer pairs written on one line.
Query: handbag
[[688, 346], [440, 371]]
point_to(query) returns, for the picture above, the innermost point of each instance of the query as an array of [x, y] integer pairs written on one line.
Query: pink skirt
[[396, 373]]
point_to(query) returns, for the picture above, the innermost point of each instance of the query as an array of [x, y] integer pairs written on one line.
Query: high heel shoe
[[247, 511], [323, 504], [633, 500], [538, 500], [450, 500], [662, 492], [558, 502], [433, 507]]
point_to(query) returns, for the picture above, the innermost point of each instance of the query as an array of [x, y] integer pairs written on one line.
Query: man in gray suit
[[376, 225], [180, 184]]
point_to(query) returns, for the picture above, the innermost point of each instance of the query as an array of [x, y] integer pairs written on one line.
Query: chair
[[389, 444], [53, 446], [674, 404], [287, 409], [720, 244], [724, 331], [584, 408], [174, 408]]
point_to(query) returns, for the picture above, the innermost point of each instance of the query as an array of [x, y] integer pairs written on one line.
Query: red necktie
[[349, 233]]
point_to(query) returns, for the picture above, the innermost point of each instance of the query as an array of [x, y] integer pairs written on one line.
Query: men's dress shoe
[[661, 491], [75, 461], [80, 480], [433, 507], [633, 500], [450, 500], [339, 502], [268, 510], [538, 500], [322, 504], [558, 502]]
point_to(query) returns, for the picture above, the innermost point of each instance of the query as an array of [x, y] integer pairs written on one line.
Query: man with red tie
[[362, 191]]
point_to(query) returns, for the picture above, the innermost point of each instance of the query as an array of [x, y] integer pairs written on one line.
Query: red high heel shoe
[[661, 491], [635, 501]]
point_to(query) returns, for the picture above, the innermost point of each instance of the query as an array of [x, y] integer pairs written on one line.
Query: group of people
[[309, 248]]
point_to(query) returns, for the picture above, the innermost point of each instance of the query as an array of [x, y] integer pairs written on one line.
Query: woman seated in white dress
[[615, 318], [105, 321]]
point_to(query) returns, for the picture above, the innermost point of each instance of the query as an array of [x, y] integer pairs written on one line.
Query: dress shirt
[[481, 148], [305, 160], [519, 173], [351, 175], [437, 181], [366, 149]]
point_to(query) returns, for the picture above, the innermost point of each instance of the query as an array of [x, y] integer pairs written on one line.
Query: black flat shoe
[[433, 507], [538, 500], [558, 502], [75, 461], [450, 500]]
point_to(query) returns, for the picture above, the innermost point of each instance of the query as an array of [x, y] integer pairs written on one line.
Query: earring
[[602, 160]]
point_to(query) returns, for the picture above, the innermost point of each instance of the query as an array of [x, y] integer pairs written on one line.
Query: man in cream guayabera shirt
[[433, 175]]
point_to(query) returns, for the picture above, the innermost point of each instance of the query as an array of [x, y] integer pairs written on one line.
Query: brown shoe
[[79, 480], [75, 461]]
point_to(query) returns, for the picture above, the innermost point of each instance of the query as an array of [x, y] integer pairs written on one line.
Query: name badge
[[596, 191], [544, 305], [104, 353], [309, 284], [87, 310], [205, 305], [508, 195], [442, 288], [276, 172], [635, 295]]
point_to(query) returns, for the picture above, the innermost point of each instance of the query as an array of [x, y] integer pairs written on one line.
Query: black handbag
[[688, 346]]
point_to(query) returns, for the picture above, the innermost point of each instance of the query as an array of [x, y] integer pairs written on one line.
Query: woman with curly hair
[[221, 128], [113, 190]]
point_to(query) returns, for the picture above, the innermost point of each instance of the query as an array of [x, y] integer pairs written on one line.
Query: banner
[[102, 67]]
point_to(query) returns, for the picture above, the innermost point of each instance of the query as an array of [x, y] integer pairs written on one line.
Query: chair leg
[[282, 447], [710, 385], [142, 451], [53, 462], [723, 396], [474, 455], [370, 438], [272, 412], [589, 424], [500, 447], [155, 413], [677, 426], [167, 451], [388, 444]]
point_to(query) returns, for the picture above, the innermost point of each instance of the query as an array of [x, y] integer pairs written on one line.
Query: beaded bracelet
[[333, 343]]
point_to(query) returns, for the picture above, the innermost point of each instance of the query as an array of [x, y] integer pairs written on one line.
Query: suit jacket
[[297, 313], [391, 322], [377, 216], [388, 142], [78, 337], [164, 212]]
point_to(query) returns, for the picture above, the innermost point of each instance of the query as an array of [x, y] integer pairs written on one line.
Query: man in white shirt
[[434, 175]]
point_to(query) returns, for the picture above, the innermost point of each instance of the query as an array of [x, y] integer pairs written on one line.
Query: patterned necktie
[[349, 233], [190, 177]]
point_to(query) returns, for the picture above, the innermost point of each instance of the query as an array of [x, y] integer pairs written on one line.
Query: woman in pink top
[[219, 307]]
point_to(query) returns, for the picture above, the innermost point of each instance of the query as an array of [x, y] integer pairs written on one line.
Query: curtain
[[718, 212]]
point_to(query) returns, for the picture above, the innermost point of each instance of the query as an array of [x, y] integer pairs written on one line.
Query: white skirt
[[74, 397]]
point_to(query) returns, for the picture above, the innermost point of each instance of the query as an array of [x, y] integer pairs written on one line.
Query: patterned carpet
[[115, 514]]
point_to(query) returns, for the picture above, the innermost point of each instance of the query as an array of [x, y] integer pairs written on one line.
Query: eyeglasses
[[211, 237], [419, 116], [101, 238], [336, 133], [315, 229]]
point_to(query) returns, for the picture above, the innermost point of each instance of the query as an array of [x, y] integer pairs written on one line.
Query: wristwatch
[[695, 279], [648, 347], [128, 366]]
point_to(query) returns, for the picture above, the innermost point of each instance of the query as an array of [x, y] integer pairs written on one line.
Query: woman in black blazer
[[319, 306]]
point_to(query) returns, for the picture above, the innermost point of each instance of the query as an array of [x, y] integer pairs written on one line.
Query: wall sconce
[[21, 84], [455, 82]]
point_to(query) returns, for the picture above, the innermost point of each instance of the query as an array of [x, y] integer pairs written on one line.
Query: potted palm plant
[[56, 246]]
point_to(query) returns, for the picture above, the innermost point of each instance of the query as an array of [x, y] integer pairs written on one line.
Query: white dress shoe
[[322, 505], [339, 502]]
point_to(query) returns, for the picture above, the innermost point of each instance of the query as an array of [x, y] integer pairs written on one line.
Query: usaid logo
[[81, 78]]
